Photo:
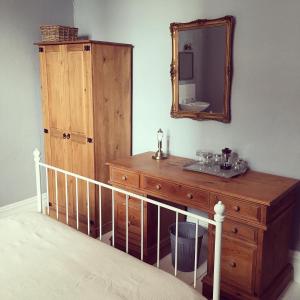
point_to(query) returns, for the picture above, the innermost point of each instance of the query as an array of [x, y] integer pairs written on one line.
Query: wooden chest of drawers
[[256, 229]]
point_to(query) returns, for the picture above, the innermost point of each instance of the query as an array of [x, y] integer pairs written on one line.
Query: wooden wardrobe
[[86, 101]]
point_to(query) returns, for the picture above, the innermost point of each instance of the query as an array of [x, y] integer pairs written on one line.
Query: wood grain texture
[[237, 208], [238, 264], [240, 231], [86, 92], [126, 177], [57, 94], [111, 74], [258, 209], [79, 86], [191, 196], [256, 187]]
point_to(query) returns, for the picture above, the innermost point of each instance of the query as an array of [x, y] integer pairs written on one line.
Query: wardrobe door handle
[[68, 136], [190, 196], [234, 230], [236, 208], [64, 136], [232, 264], [158, 186]]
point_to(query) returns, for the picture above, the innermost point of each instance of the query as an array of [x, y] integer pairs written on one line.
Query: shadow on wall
[[295, 242]]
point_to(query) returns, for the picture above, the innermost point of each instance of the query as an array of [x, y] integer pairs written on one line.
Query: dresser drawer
[[185, 195], [238, 264], [124, 177], [240, 231], [134, 218], [237, 208]]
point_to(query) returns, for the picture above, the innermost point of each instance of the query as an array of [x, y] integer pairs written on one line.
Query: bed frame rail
[[217, 222]]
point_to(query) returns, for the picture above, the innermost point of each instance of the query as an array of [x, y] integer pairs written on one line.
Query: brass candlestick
[[159, 154]]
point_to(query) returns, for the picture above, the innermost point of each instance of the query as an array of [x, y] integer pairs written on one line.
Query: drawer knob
[[190, 196], [234, 230], [236, 208], [158, 186], [232, 264], [124, 177]]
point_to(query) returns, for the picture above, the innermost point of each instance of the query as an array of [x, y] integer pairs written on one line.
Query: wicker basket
[[58, 33]]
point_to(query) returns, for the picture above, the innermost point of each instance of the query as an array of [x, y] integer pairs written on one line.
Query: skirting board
[[29, 204], [295, 261]]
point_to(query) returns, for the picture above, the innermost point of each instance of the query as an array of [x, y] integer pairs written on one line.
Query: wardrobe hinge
[[87, 48], [46, 130], [89, 140], [41, 49]]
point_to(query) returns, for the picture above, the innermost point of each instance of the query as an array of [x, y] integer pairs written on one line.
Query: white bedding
[[41, 258]]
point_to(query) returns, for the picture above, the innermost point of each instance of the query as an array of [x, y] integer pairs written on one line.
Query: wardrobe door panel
[[79, 83], [58, 157], [55, 91], [82, 157]]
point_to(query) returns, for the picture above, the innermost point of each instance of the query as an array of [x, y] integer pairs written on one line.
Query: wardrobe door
[[78, 57], [56, 122]]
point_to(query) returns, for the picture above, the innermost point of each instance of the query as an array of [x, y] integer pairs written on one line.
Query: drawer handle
[[236, 208], [124, 177], [234, 230], [232, 264], [158, 186], [190, 196]]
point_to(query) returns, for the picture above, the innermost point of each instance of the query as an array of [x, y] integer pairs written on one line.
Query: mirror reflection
[[201, 69]]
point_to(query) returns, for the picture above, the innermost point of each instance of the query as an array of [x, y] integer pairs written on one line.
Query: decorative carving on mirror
[[201, 69]]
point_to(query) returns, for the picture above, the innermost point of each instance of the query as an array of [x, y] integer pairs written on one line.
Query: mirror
[[201, 69]]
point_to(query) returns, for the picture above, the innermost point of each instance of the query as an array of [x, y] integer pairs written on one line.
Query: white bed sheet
[[43, 259]]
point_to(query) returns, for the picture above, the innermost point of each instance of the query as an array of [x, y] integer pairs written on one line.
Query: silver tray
[[214, 170]]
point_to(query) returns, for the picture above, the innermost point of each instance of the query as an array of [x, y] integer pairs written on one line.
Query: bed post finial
[[219, 218], [219, 212], [36, 155]]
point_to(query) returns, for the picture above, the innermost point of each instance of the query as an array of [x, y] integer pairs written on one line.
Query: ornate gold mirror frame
[[175, 28]]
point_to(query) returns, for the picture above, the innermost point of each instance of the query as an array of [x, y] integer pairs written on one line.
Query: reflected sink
[[196, 106]]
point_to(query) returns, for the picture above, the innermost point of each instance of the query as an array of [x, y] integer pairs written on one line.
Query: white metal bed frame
[[217, 222]]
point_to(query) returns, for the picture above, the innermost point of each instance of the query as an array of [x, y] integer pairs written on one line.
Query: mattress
[[41, 258]]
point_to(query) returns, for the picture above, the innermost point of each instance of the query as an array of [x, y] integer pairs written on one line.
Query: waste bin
[[186, 245]]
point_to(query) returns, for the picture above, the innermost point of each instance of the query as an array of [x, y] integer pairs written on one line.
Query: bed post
[[36, 155], [219, 218]]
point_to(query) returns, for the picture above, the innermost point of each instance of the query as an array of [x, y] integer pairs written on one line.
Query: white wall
[[20, 109], [265, 127]]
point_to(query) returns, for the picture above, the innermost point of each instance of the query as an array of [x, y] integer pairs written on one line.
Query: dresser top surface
[[255, 186]]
